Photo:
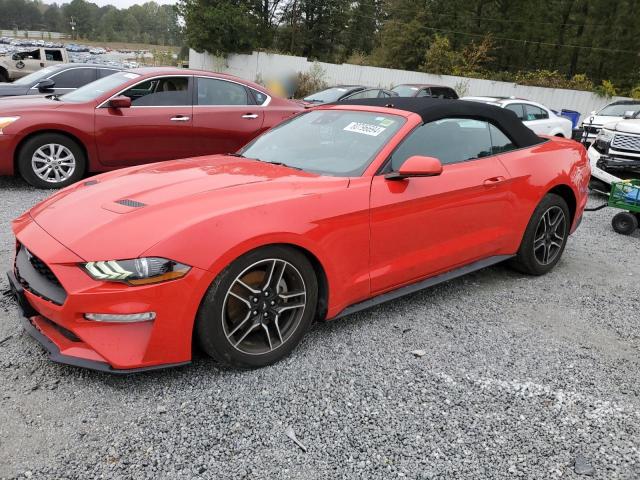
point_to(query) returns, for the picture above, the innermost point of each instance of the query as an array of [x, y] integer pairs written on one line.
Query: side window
[[425, 92], [160, 92], [259, 96], [220, 92], [500, 143], [451, 140], [536, 113], [441, 92], [53, 55], [518, 109], [363, 94], [105, 72], [74, 77]]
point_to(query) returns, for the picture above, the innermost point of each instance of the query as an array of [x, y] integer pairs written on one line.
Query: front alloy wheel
[[257, 310], [53, 163]]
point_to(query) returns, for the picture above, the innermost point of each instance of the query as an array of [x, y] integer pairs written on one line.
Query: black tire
[[63, 144], [535, 245], [215, 329], [3, 76], [624, 223]]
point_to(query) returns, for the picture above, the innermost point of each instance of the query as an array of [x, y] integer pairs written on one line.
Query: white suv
[[537, 117], [615, 153], [610, 113]]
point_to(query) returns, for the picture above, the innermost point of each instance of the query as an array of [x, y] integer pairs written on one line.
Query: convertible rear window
[[329, 142]]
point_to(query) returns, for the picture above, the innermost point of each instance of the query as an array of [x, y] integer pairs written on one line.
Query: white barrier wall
[[33, 35], [266, 65]]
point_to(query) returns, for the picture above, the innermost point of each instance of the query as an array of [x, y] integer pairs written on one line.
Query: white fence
[[266, 65], [33, 34]]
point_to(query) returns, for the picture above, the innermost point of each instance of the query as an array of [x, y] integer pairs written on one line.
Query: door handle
[[250, 116], [180, 118], [490, 182]]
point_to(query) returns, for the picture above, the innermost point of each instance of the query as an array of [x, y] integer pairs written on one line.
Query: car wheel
[[3, 76], [258, 309], [545, 237], [624, 223], [51, 160]]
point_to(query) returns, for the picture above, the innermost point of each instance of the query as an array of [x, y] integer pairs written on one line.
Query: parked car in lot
[[57, 80], [615, 154], [132, 117], [370, 93], [612, 112], [424, 90], [21, 64], [333, 94], [340, 208], [536, 116]]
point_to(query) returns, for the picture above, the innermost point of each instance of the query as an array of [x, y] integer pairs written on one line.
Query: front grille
[[35, 276], [626, 142], [42, 268]]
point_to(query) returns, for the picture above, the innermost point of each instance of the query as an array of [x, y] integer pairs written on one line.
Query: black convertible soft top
[[431, 109]]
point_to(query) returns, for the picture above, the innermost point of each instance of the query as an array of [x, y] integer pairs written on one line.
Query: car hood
[[624, 126], [598, 120], [9, 89], [123, 213], [18, 104]]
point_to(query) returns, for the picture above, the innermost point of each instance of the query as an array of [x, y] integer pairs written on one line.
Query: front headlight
[[6, 121], [137, 271], [605, 136]]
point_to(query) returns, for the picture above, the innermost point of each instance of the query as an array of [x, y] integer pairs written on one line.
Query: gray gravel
[[522, 377]]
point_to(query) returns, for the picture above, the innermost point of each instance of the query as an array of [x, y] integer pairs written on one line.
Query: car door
[[423, 226], [225, 115], [158, 126], [537, 119]]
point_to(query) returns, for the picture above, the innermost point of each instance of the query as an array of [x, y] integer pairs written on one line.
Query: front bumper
[[611, 169], [112, 347]]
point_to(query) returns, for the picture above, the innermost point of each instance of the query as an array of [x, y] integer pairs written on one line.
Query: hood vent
[[131, 203]]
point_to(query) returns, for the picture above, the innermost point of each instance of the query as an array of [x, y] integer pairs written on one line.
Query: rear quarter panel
[[537, 170]]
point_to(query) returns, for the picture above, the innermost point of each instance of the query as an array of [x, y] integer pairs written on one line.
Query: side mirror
[[120, 102], [417, 166], [629, 114], [46, 85], [15, 56]]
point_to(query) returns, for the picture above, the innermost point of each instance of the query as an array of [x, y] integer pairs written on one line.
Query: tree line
[[584, 44], [146, 23]]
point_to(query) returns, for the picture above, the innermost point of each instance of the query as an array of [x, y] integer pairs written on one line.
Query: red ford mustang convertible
[[333, 211]]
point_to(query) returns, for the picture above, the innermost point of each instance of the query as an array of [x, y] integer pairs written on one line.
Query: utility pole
[[73, 28]]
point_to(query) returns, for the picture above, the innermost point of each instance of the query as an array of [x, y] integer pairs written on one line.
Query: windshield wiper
[[235, 154], [282, 165]]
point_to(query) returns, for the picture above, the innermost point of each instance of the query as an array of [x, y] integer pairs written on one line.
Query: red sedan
[[333, 211], [133, 117]]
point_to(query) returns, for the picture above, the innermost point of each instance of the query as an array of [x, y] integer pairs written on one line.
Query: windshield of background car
[[98, 88], [34, 77], [619, 110], [329, 142], [327, 96], [405, 90]]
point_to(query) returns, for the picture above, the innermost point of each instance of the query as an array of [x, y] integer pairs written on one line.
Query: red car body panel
[[115, 138], [367, 234]]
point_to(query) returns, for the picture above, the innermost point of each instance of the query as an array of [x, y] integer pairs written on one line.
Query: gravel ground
[[522, 377]]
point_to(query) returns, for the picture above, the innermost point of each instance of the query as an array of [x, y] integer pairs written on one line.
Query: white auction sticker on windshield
[[364, 128]]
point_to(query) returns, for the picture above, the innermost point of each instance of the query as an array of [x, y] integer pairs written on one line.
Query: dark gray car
[[57, 80]]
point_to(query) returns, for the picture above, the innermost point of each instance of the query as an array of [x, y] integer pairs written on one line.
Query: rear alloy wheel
[[258, 309], [625, 223], [545, 237], [51, 160]]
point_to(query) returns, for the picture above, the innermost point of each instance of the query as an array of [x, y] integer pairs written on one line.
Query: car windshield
[[328, 142], [329, 95], [405, 90], [93, 90], [34, 77], [619, 109]]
